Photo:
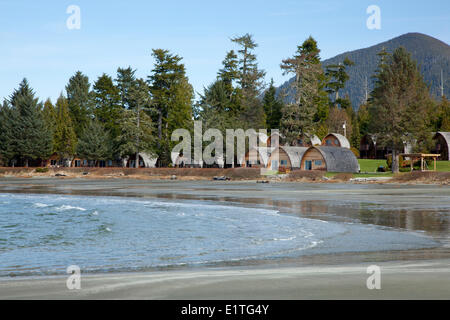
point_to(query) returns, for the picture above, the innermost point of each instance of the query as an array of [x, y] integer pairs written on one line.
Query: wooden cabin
[[336, 140], [442, 145], [257, 157], [369, 149], [286, 158], [331, 159]]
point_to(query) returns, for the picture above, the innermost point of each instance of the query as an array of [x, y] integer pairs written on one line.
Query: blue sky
[[35, 42]]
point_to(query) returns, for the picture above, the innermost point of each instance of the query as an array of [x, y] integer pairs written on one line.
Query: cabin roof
[[295, 154], [339, 159], [445, 135], [343, 141]]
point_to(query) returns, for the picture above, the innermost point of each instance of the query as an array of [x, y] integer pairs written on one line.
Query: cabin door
[[308, 165], [275, 165]]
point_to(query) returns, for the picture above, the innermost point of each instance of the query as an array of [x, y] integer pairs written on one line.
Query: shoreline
[[399, 280], [284, 196], [234, 174]]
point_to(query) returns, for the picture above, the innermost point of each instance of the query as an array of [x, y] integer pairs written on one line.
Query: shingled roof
[[339, 159], [343, 141], [295, 155]]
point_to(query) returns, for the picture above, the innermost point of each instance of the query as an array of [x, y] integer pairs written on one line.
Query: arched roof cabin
[[331, 159]]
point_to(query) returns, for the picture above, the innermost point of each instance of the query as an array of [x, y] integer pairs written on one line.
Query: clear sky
[[35, 42]]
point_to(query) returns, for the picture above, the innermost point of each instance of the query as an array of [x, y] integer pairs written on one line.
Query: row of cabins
[[332, 154], [306, 154]]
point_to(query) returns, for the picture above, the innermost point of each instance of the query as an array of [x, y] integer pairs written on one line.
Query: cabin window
[[300, 142], [336, 142], [53, 162], [109, 163], [283, 162], [317, 162], [328, 142]]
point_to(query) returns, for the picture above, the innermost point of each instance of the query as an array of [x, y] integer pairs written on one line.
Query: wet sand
[[409, 274], [406, 280]]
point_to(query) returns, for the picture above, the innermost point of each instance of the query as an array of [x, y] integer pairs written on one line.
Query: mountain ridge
[[431, 54]]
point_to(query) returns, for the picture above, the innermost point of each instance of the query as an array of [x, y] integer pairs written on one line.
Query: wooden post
[[434, 163]]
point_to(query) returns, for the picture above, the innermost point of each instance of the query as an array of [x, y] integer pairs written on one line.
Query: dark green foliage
[[79, 100], [298, 116], [95, 143], [272, 108], [26, 136], [250, 79], [399, 96], [64, 137], [125, 81], [172, 99], [107, 103]]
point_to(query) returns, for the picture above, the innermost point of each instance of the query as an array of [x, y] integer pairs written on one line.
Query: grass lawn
[[443, 166], [369, 165]]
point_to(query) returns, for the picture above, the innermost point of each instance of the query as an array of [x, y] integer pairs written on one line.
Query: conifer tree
[[272, 108], [95, 143], [65, 139], [251, 81], [399, 96], [28, 138], [172, 99], [106, 97], [6, 136], [298, 117], [79, 101], [125, 81]]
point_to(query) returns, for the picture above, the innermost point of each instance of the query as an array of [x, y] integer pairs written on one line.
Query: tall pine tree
[[28, 138], [65, 139], [172, 99]]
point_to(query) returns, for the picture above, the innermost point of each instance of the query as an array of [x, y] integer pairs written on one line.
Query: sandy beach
[[428, 279], [405, 274]]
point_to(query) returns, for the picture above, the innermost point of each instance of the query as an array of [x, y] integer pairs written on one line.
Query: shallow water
[[44, 234]]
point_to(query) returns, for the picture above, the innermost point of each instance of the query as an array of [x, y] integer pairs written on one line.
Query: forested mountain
[[431, 54]]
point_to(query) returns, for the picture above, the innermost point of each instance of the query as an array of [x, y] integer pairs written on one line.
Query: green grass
[[443, 166], [369, 165]]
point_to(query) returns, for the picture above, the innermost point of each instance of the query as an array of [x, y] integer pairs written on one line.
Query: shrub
[[401, 161], [355, 152], [41, 170]]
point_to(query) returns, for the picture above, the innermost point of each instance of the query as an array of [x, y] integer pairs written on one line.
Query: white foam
[[68, 207], [40, 205]]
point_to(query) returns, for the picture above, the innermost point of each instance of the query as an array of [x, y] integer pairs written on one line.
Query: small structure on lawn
[[413, 157], [286, 158], [336, 140], [442, 145], [331, 159]]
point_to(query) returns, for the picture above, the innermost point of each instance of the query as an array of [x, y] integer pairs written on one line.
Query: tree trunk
[[136, 165], [395, 162], [26, 163]]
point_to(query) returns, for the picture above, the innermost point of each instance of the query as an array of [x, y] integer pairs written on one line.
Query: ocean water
[[44, 234]]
